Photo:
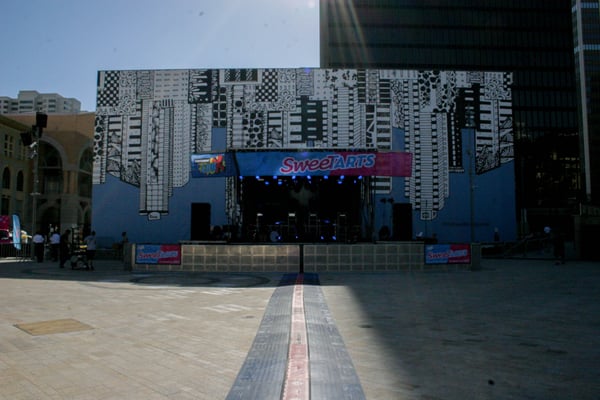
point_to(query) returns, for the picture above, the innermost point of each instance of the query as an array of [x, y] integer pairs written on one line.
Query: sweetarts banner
[[320, 163]]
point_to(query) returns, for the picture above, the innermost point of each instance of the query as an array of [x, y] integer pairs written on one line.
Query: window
[[4, 205], [9, 145], [20, 181], [6, 178]]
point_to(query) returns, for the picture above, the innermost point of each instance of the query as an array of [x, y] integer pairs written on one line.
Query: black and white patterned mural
[[149, 122]]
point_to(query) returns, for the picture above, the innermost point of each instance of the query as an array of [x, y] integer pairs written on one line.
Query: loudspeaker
[[26, 138], [41, 119]]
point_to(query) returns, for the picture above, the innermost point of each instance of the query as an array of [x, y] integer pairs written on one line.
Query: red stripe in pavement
[[296, 385]]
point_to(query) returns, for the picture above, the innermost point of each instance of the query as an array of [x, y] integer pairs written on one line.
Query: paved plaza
[[516, 329]]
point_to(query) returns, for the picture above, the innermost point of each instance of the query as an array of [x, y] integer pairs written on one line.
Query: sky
[[58, 46]]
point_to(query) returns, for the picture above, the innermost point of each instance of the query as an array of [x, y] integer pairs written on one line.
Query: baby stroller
[[78, 260]]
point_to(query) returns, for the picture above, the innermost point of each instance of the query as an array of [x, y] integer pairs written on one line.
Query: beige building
[[14, 168], [65, 160]]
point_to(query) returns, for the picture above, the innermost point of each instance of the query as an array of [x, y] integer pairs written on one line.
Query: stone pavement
[[516, 329]]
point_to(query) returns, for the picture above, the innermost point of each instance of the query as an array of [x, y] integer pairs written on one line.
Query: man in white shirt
[[90, 251], [38, 246], [54, 245]]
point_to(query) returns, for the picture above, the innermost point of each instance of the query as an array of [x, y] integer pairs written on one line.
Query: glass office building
[[533, 39], [586, 23]]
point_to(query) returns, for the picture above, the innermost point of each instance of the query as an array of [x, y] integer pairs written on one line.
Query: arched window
[[20, 181], [6, 178], [86, 163], [51, 174]]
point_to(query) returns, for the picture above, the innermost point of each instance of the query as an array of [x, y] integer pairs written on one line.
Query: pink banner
[[316, 163]]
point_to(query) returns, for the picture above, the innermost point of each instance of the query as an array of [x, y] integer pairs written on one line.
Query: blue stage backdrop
[[166, 140]]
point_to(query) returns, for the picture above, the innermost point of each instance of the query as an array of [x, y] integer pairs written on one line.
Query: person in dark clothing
[[64, 248], [558, 241]]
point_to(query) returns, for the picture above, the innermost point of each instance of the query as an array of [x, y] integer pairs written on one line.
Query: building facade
[[32, 101], [15, 168], [532, 39], [64, 158], [586, 24], [304, 146]]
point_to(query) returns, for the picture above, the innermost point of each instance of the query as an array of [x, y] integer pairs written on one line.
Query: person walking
[[38, 246], [90, 249], [54, 245], [64, 248]]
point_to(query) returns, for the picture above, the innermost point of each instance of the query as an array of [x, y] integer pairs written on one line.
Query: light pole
[[32, 140]]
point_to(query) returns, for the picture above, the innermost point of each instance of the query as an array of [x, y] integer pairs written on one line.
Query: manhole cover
[[55, 326]]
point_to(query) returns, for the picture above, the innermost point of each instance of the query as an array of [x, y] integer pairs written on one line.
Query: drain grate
[[55, 326]]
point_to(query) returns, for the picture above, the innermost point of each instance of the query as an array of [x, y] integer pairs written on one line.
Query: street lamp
[[32, 140]]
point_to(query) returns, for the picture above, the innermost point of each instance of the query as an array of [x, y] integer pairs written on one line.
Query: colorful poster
[[16, 232], [448, 254], [158, 254], [319, 163], [212, 165]]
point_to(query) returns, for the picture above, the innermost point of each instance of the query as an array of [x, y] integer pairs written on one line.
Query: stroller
[[78, 260]]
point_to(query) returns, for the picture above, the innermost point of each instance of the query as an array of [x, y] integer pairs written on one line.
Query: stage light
[[360, 177], [334, 238], [241, 178], [342, 177], [308, 177], [294, 177], [267, 183], [280, 183], [274, 177], [257, 177], [326, 177]]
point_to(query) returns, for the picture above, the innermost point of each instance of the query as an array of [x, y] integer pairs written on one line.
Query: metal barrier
[[8, 250]]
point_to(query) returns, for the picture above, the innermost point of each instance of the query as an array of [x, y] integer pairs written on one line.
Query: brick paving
[[516, 329]]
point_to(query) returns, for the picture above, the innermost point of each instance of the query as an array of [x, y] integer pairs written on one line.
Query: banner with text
[[158, 254], [448, 254], [320, 163]]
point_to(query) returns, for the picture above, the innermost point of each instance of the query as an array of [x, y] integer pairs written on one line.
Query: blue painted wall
[[149, 122]]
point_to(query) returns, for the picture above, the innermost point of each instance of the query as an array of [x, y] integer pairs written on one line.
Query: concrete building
[[29, 101]]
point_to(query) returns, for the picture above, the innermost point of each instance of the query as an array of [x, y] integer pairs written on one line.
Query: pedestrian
[[54, 245], [558, 239], [38, 246], [90, 249], [64, 248], [124, 241]]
